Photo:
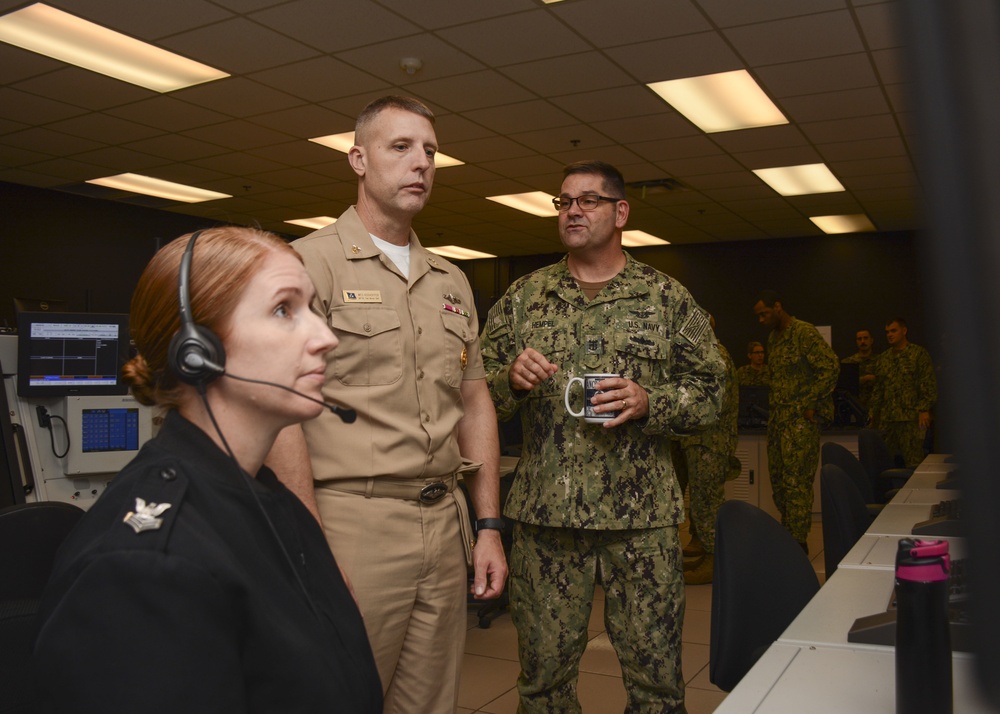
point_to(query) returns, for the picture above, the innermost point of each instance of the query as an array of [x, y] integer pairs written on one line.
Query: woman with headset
[[197, 582]]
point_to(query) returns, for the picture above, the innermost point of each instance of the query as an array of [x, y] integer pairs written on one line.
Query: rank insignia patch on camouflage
[[696, 326]]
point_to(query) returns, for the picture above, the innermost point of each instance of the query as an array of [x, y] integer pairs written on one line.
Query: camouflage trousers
[[792, 457], [553, 574], [906, 438], [707, 471]]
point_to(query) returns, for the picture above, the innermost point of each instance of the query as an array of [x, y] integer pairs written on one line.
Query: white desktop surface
[[928, 496], [812, 667], [848, 595], [928, 476], [879, 551], [835, 680]]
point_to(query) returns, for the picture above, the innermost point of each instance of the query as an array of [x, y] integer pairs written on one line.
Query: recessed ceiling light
[[537, 203], [800, 180], [636, 239], [343, 142], [57, 34], [458, 252], [157, 187], [317, 222], [720, 102], [850, 223]]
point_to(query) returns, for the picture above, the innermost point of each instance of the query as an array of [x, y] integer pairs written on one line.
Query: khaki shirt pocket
[[370, 350], [458, 335]]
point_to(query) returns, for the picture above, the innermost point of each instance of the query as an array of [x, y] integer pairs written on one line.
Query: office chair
[[762, 580], [885, 475], [30, 535], [845, 515], [838, 455]]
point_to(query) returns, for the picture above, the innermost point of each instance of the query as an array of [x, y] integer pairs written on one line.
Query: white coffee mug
[[589, 382]]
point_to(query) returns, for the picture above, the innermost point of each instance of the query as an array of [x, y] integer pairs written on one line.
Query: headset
[[196, 355]]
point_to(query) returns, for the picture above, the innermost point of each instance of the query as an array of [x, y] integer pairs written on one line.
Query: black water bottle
[[923, 639]]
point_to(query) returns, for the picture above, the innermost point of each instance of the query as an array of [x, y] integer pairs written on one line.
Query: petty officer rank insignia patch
[[696, 326], [362, 296], [145, 517]]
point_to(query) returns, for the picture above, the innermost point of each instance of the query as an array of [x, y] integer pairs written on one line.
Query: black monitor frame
[[112, 384]]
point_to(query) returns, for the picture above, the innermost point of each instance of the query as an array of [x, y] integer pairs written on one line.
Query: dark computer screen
[[62, 354], [753, 409], [849, 378]]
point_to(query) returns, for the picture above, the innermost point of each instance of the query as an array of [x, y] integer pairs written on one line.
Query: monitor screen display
[[62, 354]]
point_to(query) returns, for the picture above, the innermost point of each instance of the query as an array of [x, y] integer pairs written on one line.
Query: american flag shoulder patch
[[696, 326]]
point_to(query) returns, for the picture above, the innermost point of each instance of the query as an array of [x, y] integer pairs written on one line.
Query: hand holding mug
[[609, 399]]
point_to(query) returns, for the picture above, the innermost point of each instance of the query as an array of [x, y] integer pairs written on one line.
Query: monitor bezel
[[25, 320]]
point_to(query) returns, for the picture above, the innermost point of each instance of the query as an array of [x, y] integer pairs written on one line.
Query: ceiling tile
[[538, 34]]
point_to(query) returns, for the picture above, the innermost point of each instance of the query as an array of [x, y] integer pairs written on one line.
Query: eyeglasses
[[586, 202]]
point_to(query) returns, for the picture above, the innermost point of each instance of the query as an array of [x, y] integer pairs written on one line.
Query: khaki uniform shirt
[[405, 348], [643, 325]]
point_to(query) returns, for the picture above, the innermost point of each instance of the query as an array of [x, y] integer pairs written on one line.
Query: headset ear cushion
[[196, 355]]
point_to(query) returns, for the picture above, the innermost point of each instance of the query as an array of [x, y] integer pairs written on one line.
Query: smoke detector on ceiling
[[411, 65]]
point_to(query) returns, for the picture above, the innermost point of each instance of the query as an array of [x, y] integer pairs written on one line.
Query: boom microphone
[[196, 361]]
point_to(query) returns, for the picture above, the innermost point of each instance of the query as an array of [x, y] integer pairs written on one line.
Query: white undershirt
[[398, 254]]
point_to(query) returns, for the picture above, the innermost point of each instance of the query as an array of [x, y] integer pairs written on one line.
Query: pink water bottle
[[923, 638]]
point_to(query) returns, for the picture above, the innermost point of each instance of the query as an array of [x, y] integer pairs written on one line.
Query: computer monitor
[[105, 433], [849, 379], [753, 410], [62, 354]]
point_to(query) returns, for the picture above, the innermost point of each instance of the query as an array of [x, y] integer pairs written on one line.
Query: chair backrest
[[845, 515], [30, 535], [762, 579], [838, 455], [873, 453]]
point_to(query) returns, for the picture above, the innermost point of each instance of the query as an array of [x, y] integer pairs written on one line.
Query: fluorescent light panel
[[57, 34], [149, 186], [800, 180], [343, 142], [720, 102], [637, 239], [457, 252], [537, 203], [317, 222], [850, 223]]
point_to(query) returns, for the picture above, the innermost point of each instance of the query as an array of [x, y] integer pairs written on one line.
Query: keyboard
[[945, 520], [880, 628]]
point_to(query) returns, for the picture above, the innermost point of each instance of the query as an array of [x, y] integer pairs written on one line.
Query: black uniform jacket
[[204, 613]]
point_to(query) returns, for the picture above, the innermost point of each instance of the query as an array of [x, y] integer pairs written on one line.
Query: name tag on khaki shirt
[[362, 296]]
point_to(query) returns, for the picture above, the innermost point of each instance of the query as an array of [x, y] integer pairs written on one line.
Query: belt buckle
[[433, 492]]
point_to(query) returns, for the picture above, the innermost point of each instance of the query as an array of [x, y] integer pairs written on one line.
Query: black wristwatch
[[494, 524]]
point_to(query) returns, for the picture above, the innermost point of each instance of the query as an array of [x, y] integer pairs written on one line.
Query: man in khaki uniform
[[409, 364]]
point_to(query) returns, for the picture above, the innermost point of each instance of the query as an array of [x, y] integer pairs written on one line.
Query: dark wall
[[85, 252], [846, 282], [90, 253]]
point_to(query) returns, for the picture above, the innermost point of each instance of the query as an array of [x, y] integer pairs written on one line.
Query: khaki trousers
[[406, 563]]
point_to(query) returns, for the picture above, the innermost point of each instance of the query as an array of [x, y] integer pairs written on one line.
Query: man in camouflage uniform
[[804, 372], [598, 502], [865, 359], [905, 393], [710, 457], [755, 374]]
